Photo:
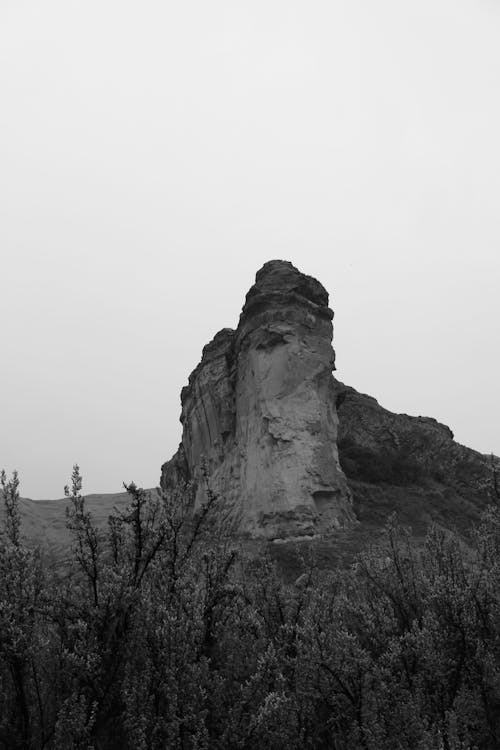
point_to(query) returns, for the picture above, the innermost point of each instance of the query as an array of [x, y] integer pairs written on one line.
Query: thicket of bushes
[[160, 634]]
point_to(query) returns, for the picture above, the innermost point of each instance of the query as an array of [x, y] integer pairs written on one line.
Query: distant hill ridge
[[44, 521]]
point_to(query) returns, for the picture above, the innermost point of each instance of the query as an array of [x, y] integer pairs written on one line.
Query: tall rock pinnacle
[[259, 413]]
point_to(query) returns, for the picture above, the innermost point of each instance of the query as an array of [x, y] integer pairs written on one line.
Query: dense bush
[[161, 635]]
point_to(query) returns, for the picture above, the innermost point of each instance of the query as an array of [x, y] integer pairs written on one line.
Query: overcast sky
[[154, 154]]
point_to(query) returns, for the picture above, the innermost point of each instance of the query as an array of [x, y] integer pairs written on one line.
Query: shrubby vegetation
[[160, 634]]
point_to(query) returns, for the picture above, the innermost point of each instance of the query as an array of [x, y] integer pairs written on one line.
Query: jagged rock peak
[[259, 413], [280, 276], [281, 291]]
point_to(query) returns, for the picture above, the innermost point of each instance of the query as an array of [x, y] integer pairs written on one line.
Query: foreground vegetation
[[159, 634]]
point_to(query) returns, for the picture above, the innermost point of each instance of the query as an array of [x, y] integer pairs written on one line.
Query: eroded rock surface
[[259, 416]]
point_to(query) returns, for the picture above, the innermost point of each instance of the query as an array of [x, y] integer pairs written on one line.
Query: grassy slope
[[43, 522]]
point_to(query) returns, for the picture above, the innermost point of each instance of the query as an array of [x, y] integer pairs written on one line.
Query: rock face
[[259, 417]]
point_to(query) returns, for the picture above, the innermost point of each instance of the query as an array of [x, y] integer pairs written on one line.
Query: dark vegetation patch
[[162, 632]]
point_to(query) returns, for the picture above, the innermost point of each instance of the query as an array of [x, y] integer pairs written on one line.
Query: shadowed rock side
[[411, 465], [259, 417]]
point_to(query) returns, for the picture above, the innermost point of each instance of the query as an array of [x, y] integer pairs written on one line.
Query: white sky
[[154, 154]]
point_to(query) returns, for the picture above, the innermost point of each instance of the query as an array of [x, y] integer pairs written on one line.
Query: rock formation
[[296, 454], [293, 452], [259, 417]]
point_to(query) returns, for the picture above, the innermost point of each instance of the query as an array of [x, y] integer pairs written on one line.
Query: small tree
[[10, 496], [23, 689]]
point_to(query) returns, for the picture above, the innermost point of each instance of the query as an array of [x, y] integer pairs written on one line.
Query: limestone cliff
[[259, 415]]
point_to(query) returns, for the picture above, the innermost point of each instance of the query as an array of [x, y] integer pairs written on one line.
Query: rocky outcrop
[[259, 417], [295, 453]]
